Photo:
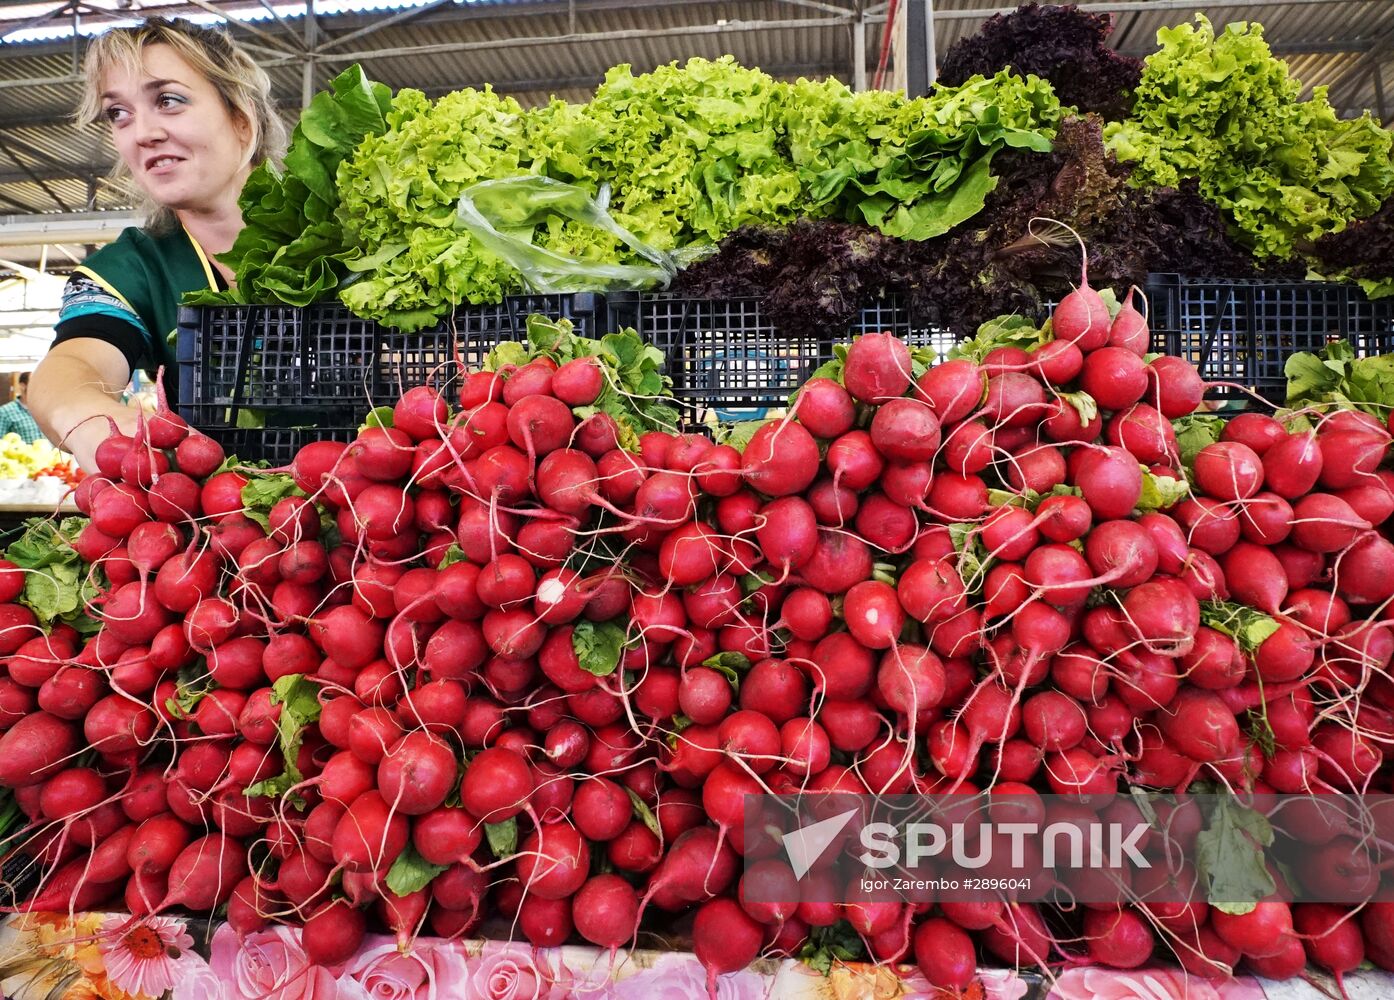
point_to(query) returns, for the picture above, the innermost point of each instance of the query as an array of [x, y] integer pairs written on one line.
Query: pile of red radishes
[[907, 584]]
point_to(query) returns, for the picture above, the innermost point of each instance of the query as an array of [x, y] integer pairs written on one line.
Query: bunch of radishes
[[485, 662]]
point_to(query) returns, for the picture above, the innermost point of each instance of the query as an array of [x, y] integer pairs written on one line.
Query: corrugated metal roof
[[54, 23], [532, 49], [49, 21], [819, 47]]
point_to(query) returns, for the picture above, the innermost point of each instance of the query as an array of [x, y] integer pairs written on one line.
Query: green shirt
[[128, 294], [14, 416]]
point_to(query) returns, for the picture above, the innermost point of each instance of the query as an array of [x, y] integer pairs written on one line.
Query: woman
[[190, 115]]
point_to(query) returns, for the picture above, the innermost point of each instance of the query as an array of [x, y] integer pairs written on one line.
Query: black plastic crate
[[887, 313], [276, 445], [1243, 331], [435, 357], [271, 356], [728, 354], [323, 358]]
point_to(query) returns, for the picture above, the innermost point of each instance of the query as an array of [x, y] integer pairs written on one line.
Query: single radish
[[1056, 363], [905, 430], [1129, 328], [725, 938], [1114, 376], [826, 408], [1228, 470], [1331, 935], [953, 389], [877, 368], [781, 459], [1082, 316], [579, 381], [1174, 386]]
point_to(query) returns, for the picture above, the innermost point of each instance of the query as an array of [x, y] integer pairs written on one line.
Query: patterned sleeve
[[90, 309]]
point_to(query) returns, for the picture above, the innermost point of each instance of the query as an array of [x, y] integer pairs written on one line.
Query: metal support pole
[[859, 54], [930, 55], [307, 79], [826, 8], [1377, 78], [67, 253], [920, 63]]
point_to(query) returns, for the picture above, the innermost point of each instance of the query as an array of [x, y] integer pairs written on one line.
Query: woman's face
[[183, 145]]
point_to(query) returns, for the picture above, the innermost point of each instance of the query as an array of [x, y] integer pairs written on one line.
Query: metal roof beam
[[513, 11], [826, 8], [34, 22], [28, 171], [350, 23], [388, 22], [74, 258], [41, 81], [56, 119], [75, 227], [252, 29], [356, 24], [598, 36], [1353, 75], [268, 56], [39, 175], [285, 25]]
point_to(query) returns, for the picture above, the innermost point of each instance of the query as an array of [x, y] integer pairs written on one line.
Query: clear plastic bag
[[501, 215]]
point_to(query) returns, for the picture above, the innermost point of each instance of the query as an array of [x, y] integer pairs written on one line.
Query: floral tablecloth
[[112, 957]]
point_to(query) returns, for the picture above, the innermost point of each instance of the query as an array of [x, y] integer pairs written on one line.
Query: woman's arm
[[75, 388]]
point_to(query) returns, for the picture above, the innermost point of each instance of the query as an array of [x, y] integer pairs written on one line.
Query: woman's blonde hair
[[243, 85]]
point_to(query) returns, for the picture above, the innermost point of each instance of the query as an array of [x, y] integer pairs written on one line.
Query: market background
[[58, 202]]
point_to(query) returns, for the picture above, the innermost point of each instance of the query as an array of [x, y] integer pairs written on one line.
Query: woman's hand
[[74, 391]]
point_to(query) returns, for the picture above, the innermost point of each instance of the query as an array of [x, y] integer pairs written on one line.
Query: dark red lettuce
[[814, 276], [1363, 249], [1065, 45]]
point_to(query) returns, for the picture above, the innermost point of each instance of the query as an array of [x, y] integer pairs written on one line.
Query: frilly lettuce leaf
[[292, 249], [687, 153], [1220, 108]]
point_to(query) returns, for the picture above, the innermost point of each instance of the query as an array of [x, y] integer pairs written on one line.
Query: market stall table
[[105, 956]]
